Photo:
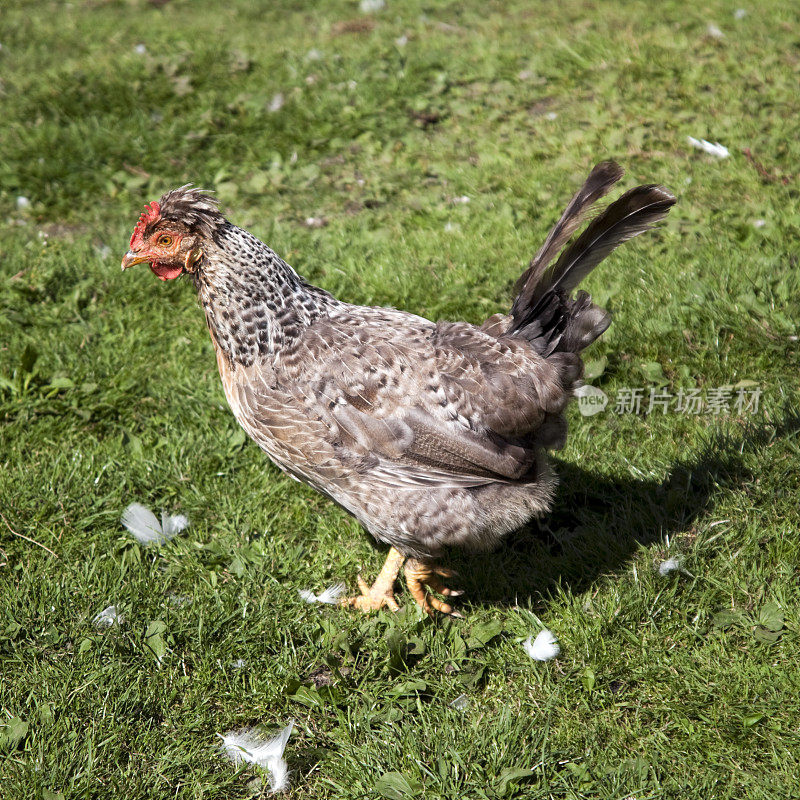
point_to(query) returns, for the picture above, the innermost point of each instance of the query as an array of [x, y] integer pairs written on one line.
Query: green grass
[[109, 394]]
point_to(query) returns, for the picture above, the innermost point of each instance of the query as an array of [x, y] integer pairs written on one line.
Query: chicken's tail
[[544, 312]]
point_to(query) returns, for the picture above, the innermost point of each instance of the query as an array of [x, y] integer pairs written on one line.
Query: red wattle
[[165, 272]]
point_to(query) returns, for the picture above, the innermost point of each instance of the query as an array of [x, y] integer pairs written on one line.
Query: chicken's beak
[[131, 259]]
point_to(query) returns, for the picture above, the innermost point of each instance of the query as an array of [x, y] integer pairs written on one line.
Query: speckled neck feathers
[[255, 303]]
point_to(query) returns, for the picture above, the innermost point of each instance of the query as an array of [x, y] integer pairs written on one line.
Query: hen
[[432, 434]]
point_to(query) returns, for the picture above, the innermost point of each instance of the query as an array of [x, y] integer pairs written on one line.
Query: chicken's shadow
[[598, 522]]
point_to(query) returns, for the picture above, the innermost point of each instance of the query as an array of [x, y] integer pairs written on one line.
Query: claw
[[445, 572]]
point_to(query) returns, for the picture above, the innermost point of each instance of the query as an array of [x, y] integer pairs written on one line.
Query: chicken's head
[[171, 232]]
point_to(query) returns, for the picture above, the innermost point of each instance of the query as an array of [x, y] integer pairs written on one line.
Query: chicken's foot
[[381, 593], [419, 576]]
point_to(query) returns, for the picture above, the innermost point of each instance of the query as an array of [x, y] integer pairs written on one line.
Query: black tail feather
[[634, 213], [597, 185], [543, 312]]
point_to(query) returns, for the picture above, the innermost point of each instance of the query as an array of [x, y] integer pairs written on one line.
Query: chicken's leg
[[381, 593], [419, 576]]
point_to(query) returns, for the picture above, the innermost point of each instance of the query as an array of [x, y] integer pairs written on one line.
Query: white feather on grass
[[252, 747], [172, 526], [277, 103], [670, 565], [330, 596], [107, 617], [145, 527], [673, 564], [712, 148], [544, 647], [179, 599]]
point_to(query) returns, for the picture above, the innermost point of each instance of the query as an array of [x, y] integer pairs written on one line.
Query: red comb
[[152, 211]]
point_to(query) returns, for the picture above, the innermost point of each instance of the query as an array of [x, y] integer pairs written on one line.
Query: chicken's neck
[[255, 304]]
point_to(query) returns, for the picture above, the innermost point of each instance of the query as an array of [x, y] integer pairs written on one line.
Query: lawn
[[412, 155]]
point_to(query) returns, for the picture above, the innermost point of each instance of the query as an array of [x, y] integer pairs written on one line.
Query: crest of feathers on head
[[194, 208]]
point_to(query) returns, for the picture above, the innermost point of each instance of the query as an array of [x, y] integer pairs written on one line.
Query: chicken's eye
[[164, 240]]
